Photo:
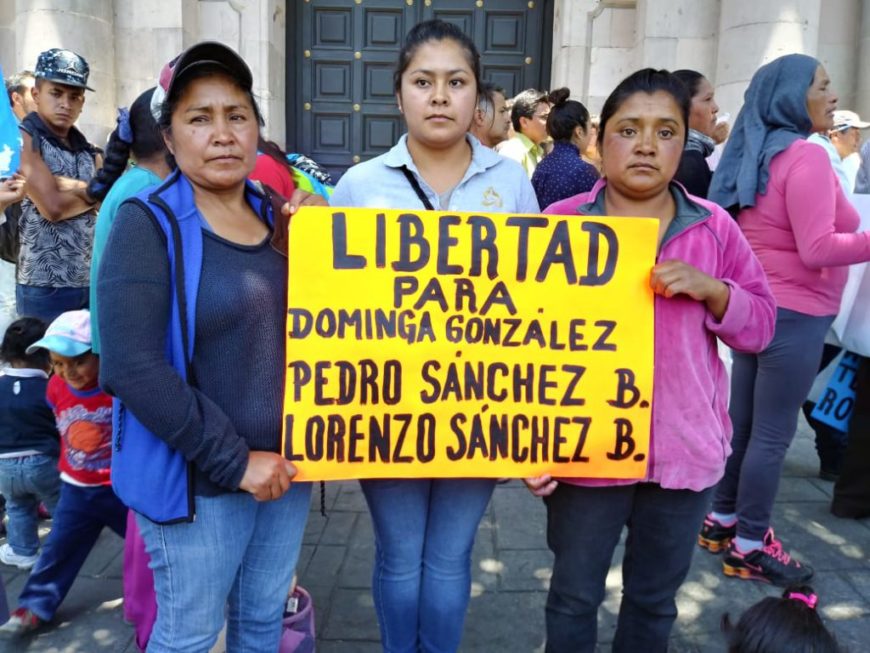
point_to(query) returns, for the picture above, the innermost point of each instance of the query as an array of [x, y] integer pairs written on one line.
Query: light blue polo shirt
[[491, 184]]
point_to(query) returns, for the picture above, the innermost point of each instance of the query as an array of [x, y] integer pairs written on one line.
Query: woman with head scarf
[[793, 212]]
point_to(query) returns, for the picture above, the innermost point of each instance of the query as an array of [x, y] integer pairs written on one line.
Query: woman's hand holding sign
[[302, 198], [267, 475], [676, 277], [541, 486]]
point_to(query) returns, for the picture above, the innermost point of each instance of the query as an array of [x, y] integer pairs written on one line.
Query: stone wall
[[84, 26], [256, 30], [839, 27], [127, 42], [752, 33], [862, 97], [148, 35], [7, 38], [595, 44]]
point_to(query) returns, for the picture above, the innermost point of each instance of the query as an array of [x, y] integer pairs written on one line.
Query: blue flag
[[10, 138]]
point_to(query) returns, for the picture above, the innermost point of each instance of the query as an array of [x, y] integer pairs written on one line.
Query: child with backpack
[[83, 413], [28, 441]]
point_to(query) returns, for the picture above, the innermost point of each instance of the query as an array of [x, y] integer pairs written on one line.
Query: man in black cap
[[57, 217]]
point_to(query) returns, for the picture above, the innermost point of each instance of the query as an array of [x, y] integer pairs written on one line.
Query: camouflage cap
[[63, 67]]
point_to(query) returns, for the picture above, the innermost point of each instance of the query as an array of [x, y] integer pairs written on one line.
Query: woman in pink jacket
[[707, 284], [793, 212]]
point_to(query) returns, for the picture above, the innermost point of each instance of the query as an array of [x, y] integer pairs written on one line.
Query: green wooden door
[[340, 103]]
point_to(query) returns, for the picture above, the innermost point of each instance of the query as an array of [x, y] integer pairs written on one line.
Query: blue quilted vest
[[147, 474]]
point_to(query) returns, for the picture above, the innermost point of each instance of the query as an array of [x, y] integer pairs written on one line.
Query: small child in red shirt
[[87, 503]]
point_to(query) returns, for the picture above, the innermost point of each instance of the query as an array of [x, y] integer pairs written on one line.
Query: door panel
[[332, 28], [341, 106]]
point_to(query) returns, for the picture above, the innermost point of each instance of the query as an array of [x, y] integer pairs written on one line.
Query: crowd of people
[[143, 383]]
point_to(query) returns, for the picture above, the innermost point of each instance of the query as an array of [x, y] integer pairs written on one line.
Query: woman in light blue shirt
[[424, 528], [137, 135]]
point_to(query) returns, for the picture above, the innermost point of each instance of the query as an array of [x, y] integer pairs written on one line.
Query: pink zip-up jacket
[[691, 430]]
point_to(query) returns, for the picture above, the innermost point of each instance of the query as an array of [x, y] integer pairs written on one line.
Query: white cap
[[847, 120]]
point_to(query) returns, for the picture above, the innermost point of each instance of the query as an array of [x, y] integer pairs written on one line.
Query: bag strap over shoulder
[[280, 224], [180, 289], [417, 189]]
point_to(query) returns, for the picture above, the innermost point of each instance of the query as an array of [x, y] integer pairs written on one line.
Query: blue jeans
[[25, 481], [77, 522], [424, 533], [584, 525], [47, 303], [767, 390], [237, 552]]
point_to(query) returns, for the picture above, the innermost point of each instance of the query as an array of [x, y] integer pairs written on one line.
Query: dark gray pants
[[583, 528], [767, 391]]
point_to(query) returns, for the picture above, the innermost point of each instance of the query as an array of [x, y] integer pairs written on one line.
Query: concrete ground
[[510, 576]]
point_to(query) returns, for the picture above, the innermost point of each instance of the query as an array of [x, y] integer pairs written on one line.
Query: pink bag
[[297, 634]]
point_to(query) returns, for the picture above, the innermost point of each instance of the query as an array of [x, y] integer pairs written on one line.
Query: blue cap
[[69, 335], [63, 67]]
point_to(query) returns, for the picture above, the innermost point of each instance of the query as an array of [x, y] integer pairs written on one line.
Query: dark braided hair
[[272, 150], [147, 142]]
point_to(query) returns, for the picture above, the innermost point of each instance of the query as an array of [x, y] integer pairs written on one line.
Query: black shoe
[[769, 564], [714, 536], [829, 475], [849, 512]]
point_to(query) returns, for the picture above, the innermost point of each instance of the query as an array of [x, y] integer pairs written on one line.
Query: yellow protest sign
[[432, 344]]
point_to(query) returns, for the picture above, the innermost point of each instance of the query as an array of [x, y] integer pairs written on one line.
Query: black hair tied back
[[139, 136], [559, 97], [781, 625], [565, 115], [436, 30], [18, 337], [647, 81]]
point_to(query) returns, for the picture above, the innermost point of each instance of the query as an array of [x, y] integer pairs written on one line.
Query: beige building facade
[[595, 43]]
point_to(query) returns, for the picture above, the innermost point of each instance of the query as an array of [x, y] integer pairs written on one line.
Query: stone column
[[256, 30], [593, 45], [147, 36], [862, 99], [752, 33], [571, 50], [676, 34], [85, 27], [839, 47], [7, 39]]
